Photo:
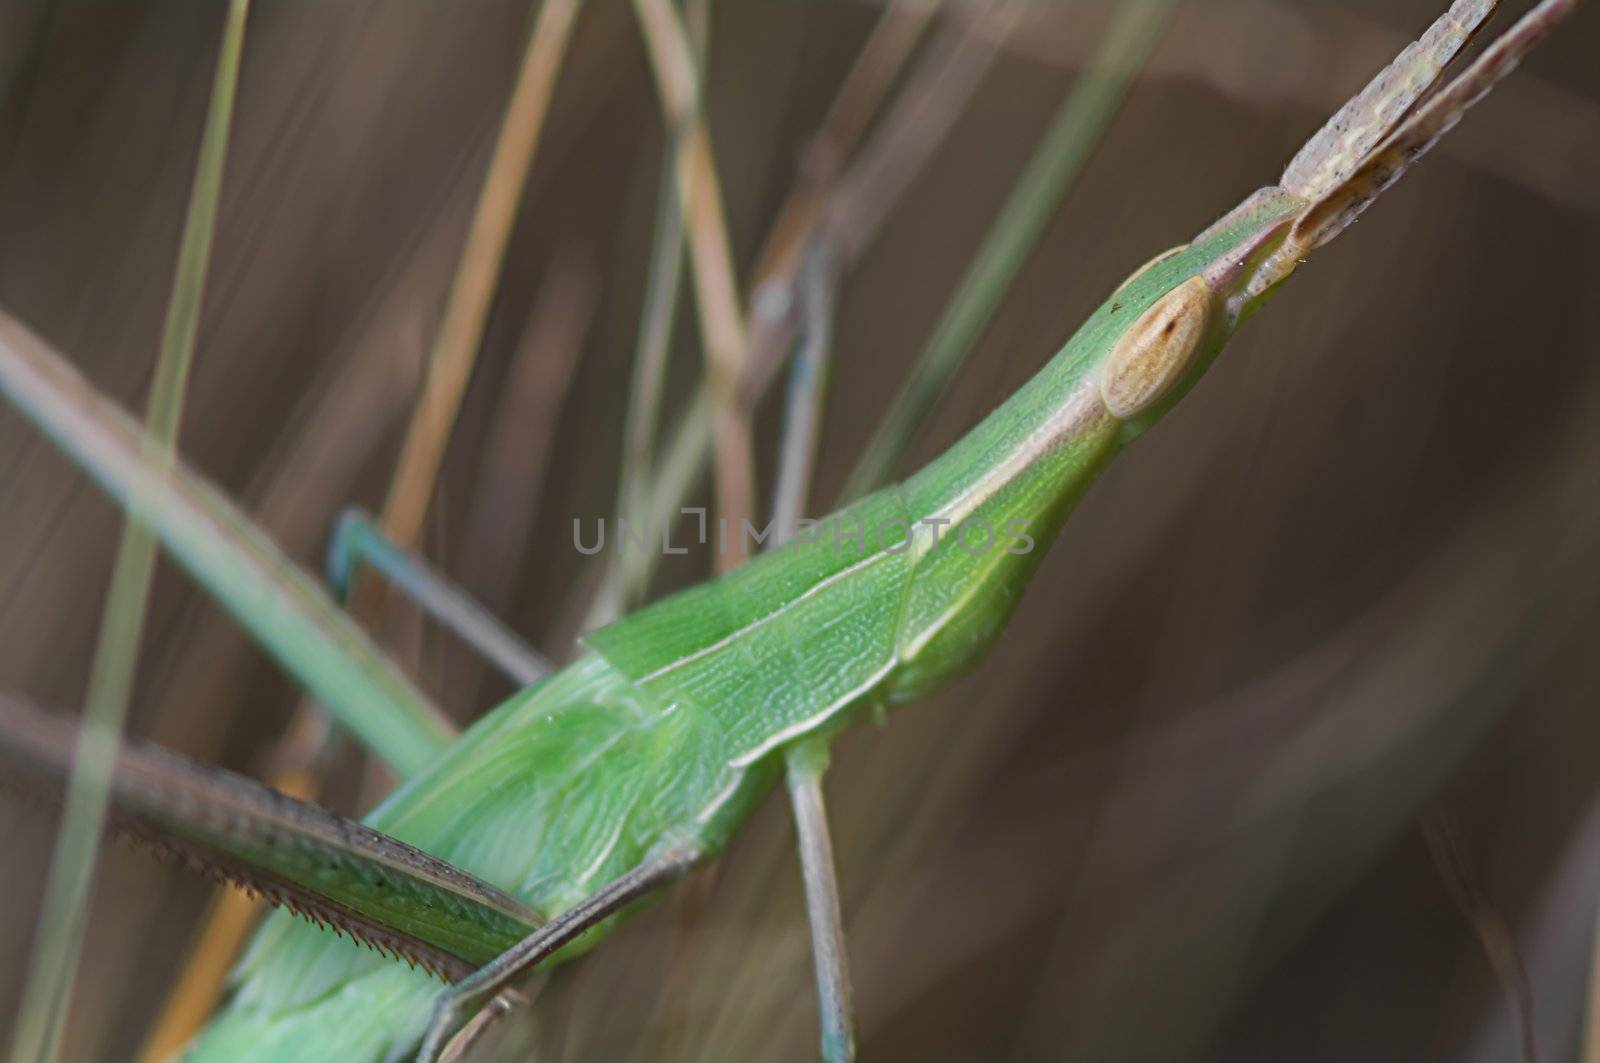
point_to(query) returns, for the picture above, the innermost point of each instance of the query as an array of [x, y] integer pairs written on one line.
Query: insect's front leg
[[807, 762], [358, 540], [495, 977]]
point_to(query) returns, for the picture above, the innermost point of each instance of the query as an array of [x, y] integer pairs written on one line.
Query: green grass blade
[[278, 602], [1050, 174], [59, 941]]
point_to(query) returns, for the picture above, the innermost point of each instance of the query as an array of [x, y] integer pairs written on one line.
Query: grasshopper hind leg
[[807, 762], [494, 979]]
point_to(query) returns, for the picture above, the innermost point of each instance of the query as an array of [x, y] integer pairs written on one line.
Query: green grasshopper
[[597, 785]]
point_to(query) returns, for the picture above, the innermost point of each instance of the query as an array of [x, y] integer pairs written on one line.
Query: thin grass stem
[[629, 576], [455, 350], [59, 945], [722, 325], [802, 218], [808, 381], [1066, 147]]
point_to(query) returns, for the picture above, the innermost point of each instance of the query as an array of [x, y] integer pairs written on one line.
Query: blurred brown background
[[1300, 712]]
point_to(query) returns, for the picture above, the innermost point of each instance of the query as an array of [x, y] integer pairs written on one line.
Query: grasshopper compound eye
[[1151, 355]]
